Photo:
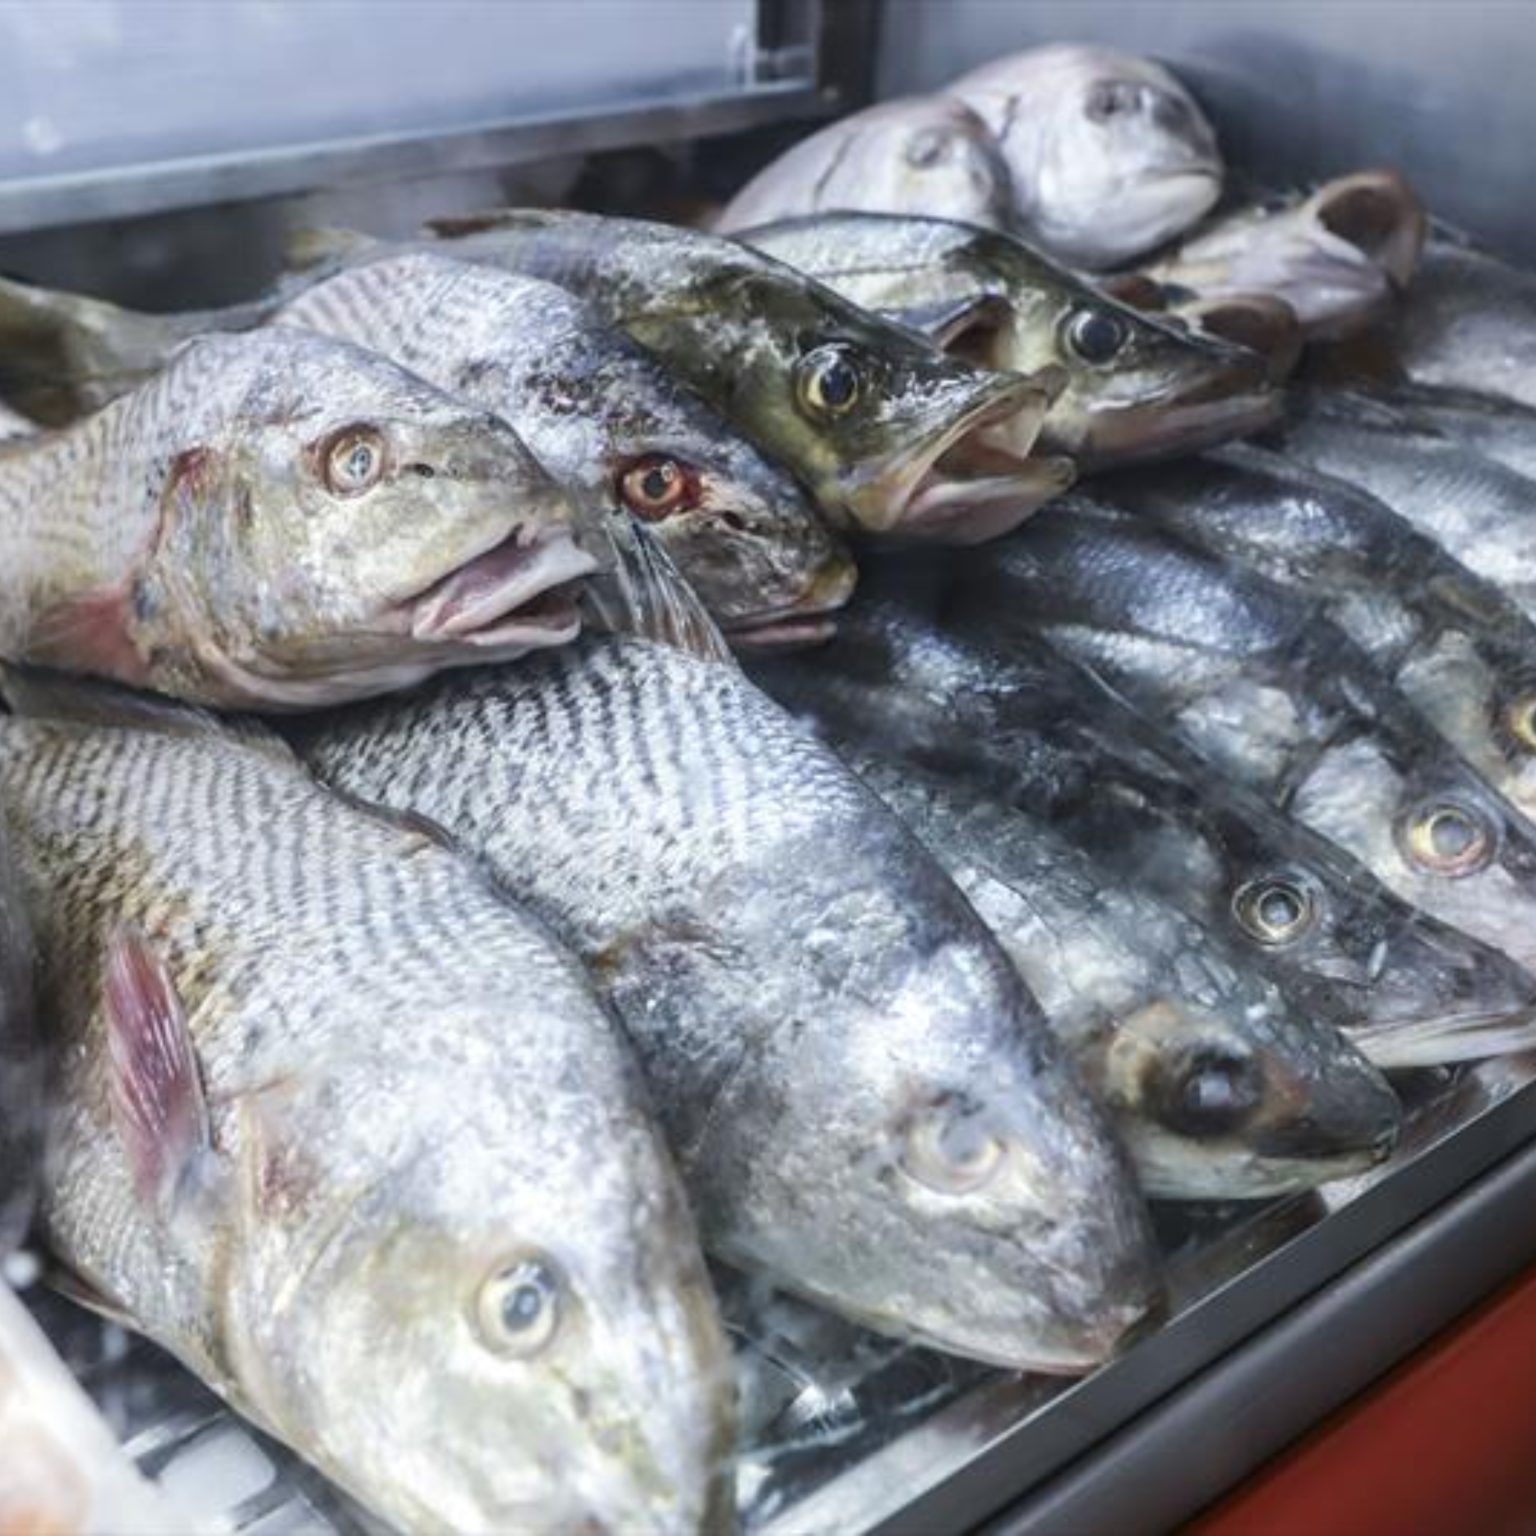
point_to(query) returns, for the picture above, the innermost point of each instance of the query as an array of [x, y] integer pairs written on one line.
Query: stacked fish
[[408, 1050]]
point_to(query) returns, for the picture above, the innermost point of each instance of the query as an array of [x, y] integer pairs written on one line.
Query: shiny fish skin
[[1267, 689], [1461, 652], [864, 1101], [198, 537], [952, 686], [1109, 154], [1489, 424], [918, 154], [394, 1168], [992, 298], [1481, 511], [1218, 1089]]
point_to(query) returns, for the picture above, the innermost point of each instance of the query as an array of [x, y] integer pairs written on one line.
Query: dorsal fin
[[313, 246]]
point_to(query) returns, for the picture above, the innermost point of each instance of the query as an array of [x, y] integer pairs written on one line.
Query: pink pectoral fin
[[158, 1107]]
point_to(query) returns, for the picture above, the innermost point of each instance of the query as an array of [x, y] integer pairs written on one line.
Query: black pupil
[[1279, 908], [522, 1307], [656, 483], [1207, 1095], [1451, 834], [1097, 337], [360, 461], [837, 383]]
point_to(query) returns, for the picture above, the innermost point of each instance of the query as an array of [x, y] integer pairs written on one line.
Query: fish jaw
[[810, 621], [1179, 424]]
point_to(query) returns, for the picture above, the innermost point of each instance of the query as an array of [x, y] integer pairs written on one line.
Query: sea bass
[[1339, 257], [920, 154], [1483, 512], [948, 689], [1135, 387], [282, 520], [1461, 652], [1258, 682], [1109, 154], [866, 1104], [1219, 1090], [351, 1136]]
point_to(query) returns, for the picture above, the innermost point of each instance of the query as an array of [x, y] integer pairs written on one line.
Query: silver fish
[[1109, 154], [919, 154], [1498, 428], [351, 1136], [1338, 257], [865, 1102], [282, 520]]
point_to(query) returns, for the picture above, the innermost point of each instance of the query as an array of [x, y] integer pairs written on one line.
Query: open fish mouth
[[514, 594], [1445, 1038]]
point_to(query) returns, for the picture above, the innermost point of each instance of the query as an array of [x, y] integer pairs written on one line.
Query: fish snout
[[1346, 1110]]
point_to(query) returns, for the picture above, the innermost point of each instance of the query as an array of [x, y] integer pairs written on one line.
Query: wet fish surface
[[1134, 386], [282, 520], [866, 1104], [919, 154], [1272, 693], [951, 686], [1219, 1089], [1109, 154], [406, 1215]]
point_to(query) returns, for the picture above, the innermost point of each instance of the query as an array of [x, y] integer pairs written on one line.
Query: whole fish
[[1340, 257], [1460, 651], [919, 154], [1271, 692], [866, 1104], [1470, 323], [351, 1136], [602, 416], [23, 1058], [1483, 512], [1219, 1090], [1135, 386], [1109, 154], [282, 520], [946, 688]]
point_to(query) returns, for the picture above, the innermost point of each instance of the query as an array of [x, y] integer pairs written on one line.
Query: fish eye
[[1111, 98], [1095, 335], [829, 381], [517, 1309], [1207, 1092], [1274, 910], [354, 461], [1520, 717], [1446, 839], [949, 1152], [655, 486]]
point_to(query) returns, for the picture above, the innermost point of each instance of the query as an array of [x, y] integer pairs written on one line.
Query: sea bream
[[867, 1106], [1134, 386], [280, 520], [1460, 650], [1109, 155], [946, 688], [919, 154], [351, 1136], [1220, 1090], [1257, 681]]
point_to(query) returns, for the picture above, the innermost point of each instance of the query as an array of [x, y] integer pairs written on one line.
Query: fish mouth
[[514, 594], [1446, 1038], [808, 621], [977, 461], [1249, 1174], [1186, 422]]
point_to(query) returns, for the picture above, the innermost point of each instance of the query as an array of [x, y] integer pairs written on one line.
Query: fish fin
[[646, 595], [158, 1107], [944, 321], [313, 246], [88, 633]]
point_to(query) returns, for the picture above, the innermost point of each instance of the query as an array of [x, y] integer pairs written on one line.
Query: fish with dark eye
[[936, 1170], [1133, 386], [411, 1219], [920, 154], [1457, 647], [939, 683], [280, 520], [1480, 509], [1107, 152], [1263, 685], [1340, 257], [1217, 1086]]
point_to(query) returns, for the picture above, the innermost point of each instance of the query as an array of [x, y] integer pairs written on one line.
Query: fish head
[[354, 530], [512, 1328], [1134, 385], [937, 1171], [1249, 1103], [1110, 155]]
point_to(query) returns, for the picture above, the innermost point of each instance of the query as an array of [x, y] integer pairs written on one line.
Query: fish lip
[[789, 633], [971, 511], [510, 592], [1182, 424], [806, 621]]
